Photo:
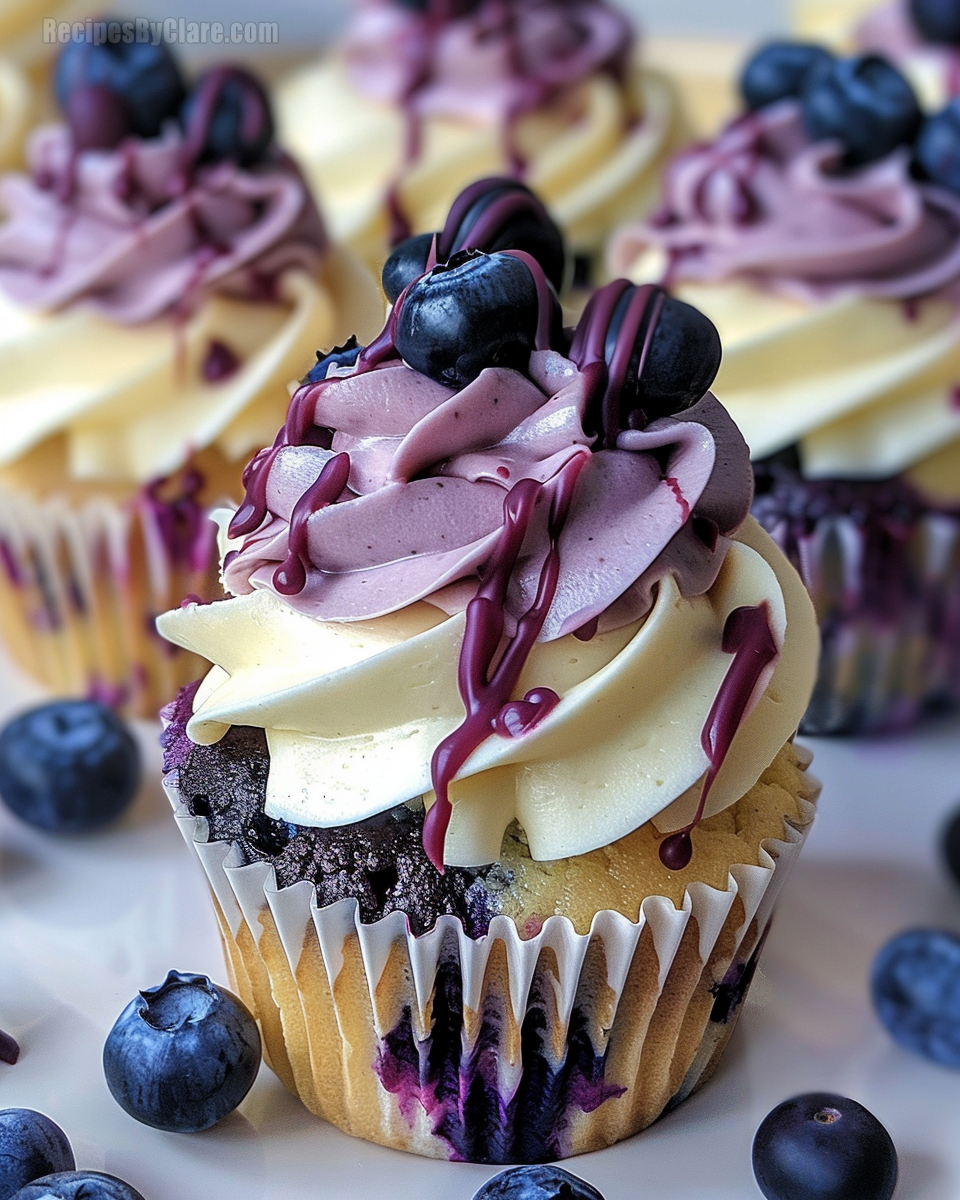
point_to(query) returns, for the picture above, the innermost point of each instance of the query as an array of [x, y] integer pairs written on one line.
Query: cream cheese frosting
[[837, 296], [550, 90], [353, 672], [117, 287]]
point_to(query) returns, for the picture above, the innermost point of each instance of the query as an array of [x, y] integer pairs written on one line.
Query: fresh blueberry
[[916, 992], [183, 1055], [490, 215], [937, 150], [78, 1185], [69, 766], [9, 1049], [340, 356], [475, 311], [951, 846], [937, 20], [823, 1147], [31, 1145], [865, 104], [99, 118], [227, 117], [779, 71], [539, 1182], [144, 77], [407, 262]]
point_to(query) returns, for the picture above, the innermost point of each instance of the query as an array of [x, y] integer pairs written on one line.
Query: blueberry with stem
[[821, 1146], [182, 1055]]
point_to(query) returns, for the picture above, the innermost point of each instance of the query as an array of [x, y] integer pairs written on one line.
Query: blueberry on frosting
[[865, 104], [937, 149], [491, 215], [143, 80], [937, 20], [660, 355], [780, 71], [227, 117], [475, 311]]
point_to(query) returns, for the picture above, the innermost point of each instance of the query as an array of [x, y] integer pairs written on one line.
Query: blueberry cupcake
[[164, 275], [419, 99], [821, 232], [493, 776]]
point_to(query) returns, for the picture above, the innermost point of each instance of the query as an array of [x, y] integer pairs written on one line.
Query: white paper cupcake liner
[[494, 1049], [80, 588]]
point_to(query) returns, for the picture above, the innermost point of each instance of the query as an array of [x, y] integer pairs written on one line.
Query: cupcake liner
[[888, 604], [494, 1049], [81, 586]]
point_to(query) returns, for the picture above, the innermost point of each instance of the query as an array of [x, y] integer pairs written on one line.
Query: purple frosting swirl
[[133, 234], [503, 58], [427, 470], [763, 203]]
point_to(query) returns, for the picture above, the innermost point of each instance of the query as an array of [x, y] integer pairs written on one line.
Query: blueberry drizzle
[[748, 637]]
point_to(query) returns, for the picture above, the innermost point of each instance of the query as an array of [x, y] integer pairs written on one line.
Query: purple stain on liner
[[220, 362]]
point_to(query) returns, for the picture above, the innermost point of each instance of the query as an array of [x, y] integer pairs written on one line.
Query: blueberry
[[679, 346], [539, 1182], [440, 8], [475, 311], [31, 1145], [407, 262], [915, 987], [183, 1055], [951, 845], [69, 766], [491, 215], [340, 356], [779, 71], [145, 78], [99, 118], [937, 20], [937, 150], [227, 117], [865, 104], [823, 1147], [78, 1185], [9, 1049]]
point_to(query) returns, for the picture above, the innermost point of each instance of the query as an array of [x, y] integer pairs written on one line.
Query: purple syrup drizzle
[[501, 211], [748, 637], [9, 1049], [485, 689], [206, 97], [220, 362], [291, 576], [606, 379]]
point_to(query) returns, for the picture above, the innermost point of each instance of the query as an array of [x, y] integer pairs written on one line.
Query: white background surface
[[85, 923]]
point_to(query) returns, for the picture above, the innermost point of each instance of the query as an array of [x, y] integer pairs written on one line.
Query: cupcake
[[492, 776], [420, 99], [921, 36], [164, 274], [833, 275]]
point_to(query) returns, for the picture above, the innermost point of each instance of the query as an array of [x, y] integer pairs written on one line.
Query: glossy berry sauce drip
[[291, 576], [298, 426], [502, 211], [9, 1050], [607, 369], [484, 688], [748, 637], [205, 102]]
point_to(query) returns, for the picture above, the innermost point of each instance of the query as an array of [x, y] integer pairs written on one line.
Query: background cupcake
[[164, 273], [833, 274], [421, 99], [495, 796]]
